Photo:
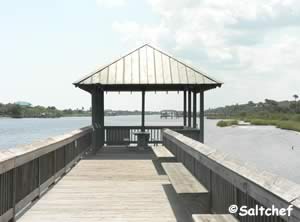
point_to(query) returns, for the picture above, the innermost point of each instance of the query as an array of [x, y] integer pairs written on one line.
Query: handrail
[[231, 181], [27, 171], [149, 127]]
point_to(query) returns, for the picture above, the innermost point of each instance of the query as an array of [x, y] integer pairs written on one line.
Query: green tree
[[16, 111], [296, 98]]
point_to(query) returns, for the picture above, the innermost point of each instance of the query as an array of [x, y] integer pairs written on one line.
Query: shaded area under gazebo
[[143, 70]]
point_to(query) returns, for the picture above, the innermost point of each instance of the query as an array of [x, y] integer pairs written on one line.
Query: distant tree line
[[28, 111], [283, 114], [266, 107], [19, 111]]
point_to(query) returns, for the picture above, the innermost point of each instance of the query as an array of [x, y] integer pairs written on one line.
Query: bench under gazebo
[[143, 70]]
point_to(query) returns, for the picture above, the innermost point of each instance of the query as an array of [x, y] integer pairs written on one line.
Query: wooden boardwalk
[[116, 186]]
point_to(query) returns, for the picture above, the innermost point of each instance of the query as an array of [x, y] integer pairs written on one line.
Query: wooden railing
[[28, 171], [232, 182], [119, 135]]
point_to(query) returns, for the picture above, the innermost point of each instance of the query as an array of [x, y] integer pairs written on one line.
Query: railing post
[[54, 165], [189, 108], [194, 110], [14, 193], [184, 107], [65, 158], [39, 175], [201, 116], [143, 111], [210, 189]]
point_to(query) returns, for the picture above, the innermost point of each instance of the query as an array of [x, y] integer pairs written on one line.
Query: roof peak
[[147, 64]]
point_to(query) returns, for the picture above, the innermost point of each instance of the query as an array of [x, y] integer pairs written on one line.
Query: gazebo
[[146, 69]]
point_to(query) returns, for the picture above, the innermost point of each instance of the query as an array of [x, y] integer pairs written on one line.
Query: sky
[[251, 46]]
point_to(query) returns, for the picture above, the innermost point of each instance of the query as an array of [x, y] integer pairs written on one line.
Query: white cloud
[[250, 43], [140, 34], [110, 3]]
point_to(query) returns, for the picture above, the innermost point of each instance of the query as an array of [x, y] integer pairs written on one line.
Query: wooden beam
[[184, 107], [189, 108], [143, 111], [201, 124], [194, 110], [148, 87]]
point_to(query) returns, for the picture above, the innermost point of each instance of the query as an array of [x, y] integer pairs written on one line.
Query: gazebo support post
[[102, 130], [194, 109], [184, 108], [143, 111], [201, 124], [94, 136], [189, 108], [98, 119]]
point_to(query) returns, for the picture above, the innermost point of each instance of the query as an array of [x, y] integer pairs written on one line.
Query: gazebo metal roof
[[149, 69]]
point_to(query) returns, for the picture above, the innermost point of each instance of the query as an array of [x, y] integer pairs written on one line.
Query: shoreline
[[280, 124], [9, 117]]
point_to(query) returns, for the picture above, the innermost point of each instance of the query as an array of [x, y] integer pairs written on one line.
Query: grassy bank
[[225, 123], [282, 124], [280, 120]]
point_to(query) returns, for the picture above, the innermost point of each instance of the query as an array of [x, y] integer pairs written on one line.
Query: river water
[[265, 147]]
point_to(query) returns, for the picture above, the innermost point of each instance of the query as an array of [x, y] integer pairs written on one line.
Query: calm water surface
[[266, 147]]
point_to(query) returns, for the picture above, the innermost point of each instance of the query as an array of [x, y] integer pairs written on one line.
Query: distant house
[[22, 103]]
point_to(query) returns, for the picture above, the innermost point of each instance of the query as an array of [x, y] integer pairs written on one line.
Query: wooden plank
[[46, 184], [60, 173], [182, 180], [135, 71], [214, 218], [7, 161], [112, 73], [143, 66], [161, 151], [296, 210], [166, 70], [120, 71], [27, 200], [159, 68], [7, 216], [174, 71], [103, 76], [150, 65], [91, 192], [127, 70]]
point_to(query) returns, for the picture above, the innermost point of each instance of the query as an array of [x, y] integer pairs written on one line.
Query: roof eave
[[147, 87]]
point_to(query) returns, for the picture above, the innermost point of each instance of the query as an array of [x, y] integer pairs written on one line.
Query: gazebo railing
[[122, 135]]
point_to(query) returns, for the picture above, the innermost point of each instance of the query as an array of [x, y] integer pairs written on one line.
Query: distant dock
[[170, 114]]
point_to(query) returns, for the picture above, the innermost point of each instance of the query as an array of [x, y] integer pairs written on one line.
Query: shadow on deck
[[116, 184]]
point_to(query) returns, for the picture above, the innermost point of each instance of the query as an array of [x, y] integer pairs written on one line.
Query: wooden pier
[[182, 180], [114, 185]]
